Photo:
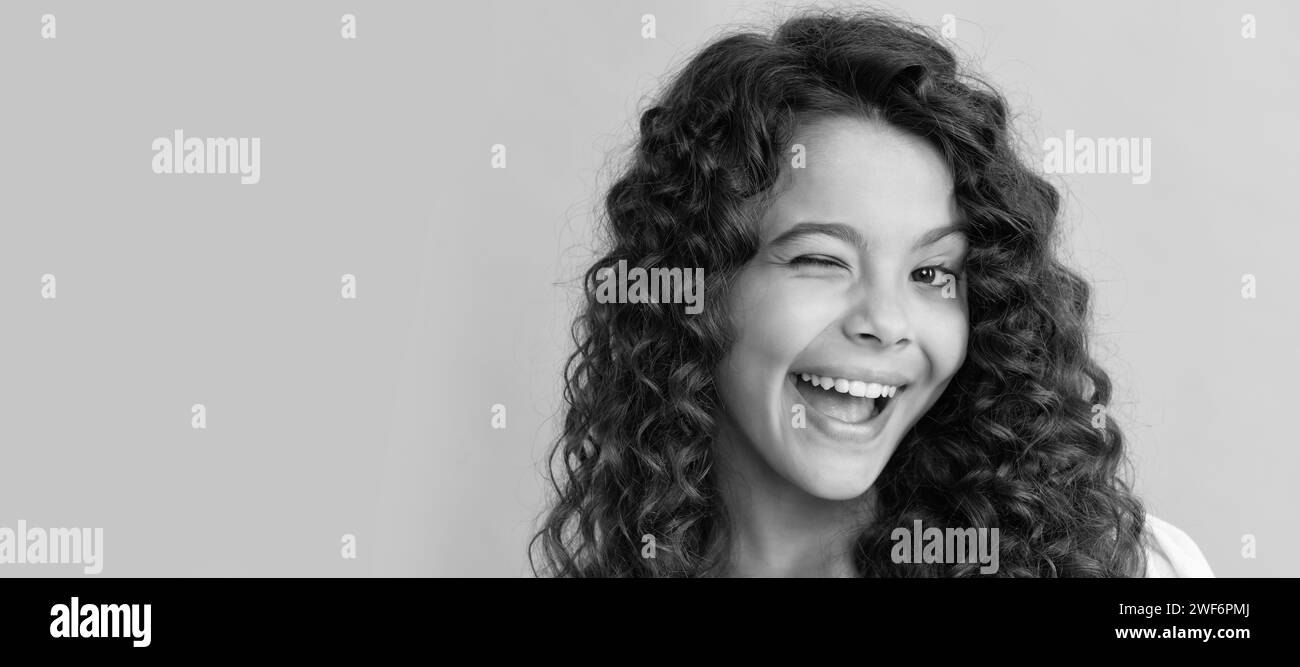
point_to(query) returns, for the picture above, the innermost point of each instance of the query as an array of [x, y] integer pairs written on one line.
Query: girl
[[887, 341]]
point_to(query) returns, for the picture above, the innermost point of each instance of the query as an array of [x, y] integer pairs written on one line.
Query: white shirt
[[1171, 553]]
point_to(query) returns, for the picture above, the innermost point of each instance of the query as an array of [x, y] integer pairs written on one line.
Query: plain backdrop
[[372, 417]]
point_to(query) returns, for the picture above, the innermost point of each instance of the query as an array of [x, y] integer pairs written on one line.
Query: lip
[[841, 431], [862, 373]]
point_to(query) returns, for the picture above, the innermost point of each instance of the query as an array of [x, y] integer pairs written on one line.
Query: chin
[[833, 473], [839, 487]]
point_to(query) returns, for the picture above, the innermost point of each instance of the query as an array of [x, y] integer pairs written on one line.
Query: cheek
[[945, 336], [773, 321], [776, 319]]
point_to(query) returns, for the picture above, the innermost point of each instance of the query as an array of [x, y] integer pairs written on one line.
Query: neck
[[777, 528]]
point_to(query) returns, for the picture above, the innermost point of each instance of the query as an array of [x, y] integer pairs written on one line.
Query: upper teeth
[[852, 387]]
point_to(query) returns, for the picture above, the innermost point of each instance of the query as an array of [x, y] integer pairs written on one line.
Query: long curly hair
[[1010, 444]]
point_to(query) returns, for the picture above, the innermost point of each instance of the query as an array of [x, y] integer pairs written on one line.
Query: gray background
[[372, 417]]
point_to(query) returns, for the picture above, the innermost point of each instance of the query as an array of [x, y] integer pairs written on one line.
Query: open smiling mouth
[[849, 401]]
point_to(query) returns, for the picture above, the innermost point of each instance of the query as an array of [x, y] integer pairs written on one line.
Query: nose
[[878, 315]]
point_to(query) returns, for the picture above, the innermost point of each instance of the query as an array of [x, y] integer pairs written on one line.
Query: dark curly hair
[[1010, 443]]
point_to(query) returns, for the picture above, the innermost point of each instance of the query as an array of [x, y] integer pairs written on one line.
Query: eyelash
[[817, 260]]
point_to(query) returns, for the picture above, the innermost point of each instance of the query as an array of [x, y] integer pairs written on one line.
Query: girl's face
[[853, 288]]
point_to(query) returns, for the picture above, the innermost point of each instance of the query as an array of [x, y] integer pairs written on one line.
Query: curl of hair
[[1010, 444]]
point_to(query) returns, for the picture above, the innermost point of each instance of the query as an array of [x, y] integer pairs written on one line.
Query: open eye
[[935, 276]]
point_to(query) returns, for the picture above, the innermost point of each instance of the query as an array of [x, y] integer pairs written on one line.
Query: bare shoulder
[[1171, 552]]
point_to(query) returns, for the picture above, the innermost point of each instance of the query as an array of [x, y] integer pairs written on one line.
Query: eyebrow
[[851, 236], [938, 234]]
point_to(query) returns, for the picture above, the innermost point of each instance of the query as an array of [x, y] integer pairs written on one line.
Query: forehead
[[890, 185]]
